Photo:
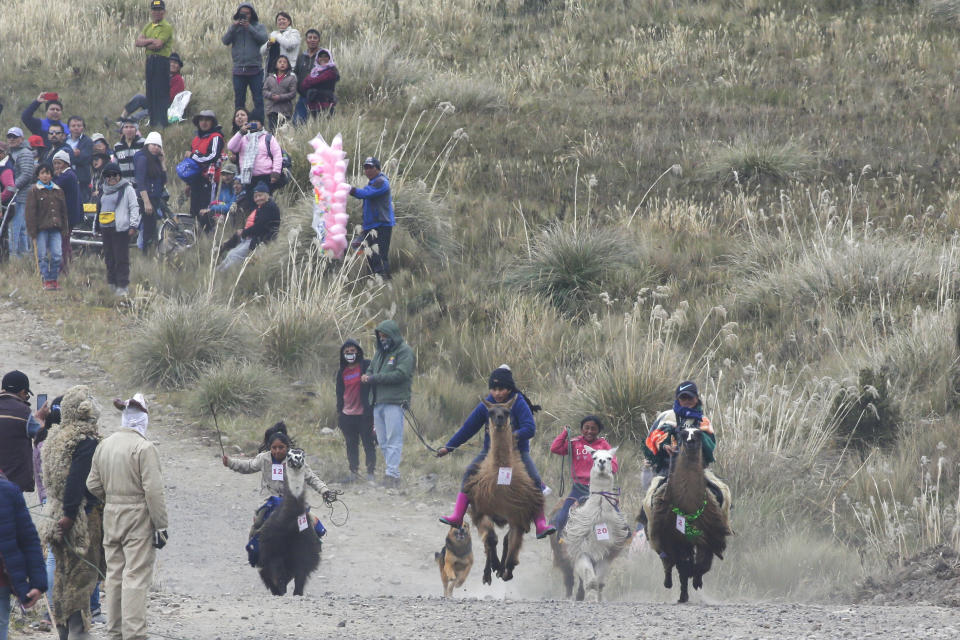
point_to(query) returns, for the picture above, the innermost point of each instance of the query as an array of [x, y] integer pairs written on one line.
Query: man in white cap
[[125, 475], [24, 174]]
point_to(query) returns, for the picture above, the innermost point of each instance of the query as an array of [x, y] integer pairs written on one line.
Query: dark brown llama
[[502, 493], [686, 525]]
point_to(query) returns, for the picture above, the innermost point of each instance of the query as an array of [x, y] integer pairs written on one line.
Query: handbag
[[187, 168]]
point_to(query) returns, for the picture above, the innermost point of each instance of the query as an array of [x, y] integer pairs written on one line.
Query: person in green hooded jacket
[[390, 377]]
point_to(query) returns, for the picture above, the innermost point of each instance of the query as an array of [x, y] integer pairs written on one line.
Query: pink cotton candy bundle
[[328, 175]]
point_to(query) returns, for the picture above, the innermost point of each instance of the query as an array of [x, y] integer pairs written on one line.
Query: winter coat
[[319, 85], [264, 463], [7, 187], [46, 209], [121, 199], [152, 179], [81, 157], [287, 44], [302, 67], [377, 203], [39, 126], [24, 170], [338, 379], [582, 461], [124, 152], [263, 164], [177, 85], [245, 43], [20, 550], [391, 371], [266, 225], [521, 420], [67, 455], [286, 89], [67, 181], [126, 472], [16, 459], [206, 147], [660, 433]]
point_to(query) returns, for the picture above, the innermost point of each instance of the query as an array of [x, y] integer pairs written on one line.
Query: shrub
[[870, 415], [181, 339], [749, 160], [465, 93], [570, 267], [233, 387], [375, 66], [426, 218]]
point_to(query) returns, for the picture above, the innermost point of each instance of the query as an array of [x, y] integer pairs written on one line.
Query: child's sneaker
[[54, 285], [47, 286]]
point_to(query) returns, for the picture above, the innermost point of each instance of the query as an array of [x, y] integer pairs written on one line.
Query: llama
[[502, 493], [595, 534], [289, 547], [686, 524]]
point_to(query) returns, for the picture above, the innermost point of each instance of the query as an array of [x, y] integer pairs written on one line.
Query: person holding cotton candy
[[378, 218]]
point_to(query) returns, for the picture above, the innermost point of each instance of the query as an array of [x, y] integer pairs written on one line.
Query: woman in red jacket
[[582, 463]]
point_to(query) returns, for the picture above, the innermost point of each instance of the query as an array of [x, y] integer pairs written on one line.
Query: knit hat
[[62, 156], [15, 382], [687, 388], [111, 168], [502, 377], [153, 138], [262, 187]]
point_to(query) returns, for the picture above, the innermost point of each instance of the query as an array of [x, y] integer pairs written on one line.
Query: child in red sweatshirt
[[590, 428]]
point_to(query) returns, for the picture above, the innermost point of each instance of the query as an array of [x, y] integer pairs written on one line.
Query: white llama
[[597, 531]]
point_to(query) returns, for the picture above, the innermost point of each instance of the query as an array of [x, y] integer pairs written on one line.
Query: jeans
[[388, 422], [158, 89], [51, 567], [527, 463], [137, 107], [18, 239], [5, 593], [300, 111], [578, 493], [235, 256], [240, 85], [49, 253]]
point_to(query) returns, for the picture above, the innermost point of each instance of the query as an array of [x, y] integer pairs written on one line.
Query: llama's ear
[[613, 451]]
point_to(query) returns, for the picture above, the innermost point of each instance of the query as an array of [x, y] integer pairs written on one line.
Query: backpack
[[285, 164]]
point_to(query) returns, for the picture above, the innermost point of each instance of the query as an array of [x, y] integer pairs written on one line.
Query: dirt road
[[377, 578]]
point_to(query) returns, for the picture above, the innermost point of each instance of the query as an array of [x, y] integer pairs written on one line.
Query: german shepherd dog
[[455, 559]]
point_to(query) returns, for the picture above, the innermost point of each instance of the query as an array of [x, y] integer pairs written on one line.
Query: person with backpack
[[259, 157], [205, 151], [118, 216]]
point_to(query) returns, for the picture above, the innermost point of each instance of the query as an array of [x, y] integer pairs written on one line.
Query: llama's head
[[294, 478], [499, 414], [690, 441], [295, 458], [602, 463]]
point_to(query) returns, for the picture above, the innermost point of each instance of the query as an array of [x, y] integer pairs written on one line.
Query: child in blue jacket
[[502, 388]]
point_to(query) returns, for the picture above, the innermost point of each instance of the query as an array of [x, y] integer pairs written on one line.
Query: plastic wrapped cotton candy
[[328, 171]]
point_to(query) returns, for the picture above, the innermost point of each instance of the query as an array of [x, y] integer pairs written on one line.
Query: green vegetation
[[611, 196]]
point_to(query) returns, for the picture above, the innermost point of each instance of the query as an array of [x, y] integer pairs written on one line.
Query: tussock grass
[[176, 344], [233, 387], [751, 160]]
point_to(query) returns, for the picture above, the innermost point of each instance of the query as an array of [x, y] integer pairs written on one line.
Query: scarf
[[133, 418], [49, 185], [249, 155], [320, 68], [684, 414]]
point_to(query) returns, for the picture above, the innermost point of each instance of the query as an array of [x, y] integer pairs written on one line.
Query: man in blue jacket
[[378, 218], [24, 573]]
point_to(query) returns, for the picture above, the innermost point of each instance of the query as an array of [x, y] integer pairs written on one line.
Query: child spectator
[[320, 84], [581, 462], [354, 413], [279, 91], [282, 41], [227, 194], [54, 111], [127, 146], [47, 224]]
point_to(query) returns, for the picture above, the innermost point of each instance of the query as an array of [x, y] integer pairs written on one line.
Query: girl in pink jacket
[[582, 463]]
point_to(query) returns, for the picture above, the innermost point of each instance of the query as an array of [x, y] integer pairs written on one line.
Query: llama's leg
[[505, 572], [588, 578], [489, 537], [512, 554], [602, 568], [684, 580], [667, 571], [702, 566], [684, 570], [299, 582]]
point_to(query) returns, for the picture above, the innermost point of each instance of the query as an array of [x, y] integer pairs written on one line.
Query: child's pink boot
[[459, 510]]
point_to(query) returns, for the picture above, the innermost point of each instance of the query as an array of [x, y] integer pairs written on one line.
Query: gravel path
[[377, 578]]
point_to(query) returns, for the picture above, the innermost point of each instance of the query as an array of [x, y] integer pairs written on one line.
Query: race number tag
[[277, 472], [302, 521], [505, 475], [602, 532], [681, 524]]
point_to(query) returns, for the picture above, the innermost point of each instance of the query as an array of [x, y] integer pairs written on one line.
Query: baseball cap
[[15, 382], [262, 187], [687, 388], [157, 5], [371, 162], [36, 141], [14, 132]]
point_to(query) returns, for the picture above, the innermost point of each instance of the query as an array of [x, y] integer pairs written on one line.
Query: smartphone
[[253, 126], [41, 400], [51, 95]]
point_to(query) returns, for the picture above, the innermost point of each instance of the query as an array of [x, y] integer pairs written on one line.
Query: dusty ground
[[377, 578]]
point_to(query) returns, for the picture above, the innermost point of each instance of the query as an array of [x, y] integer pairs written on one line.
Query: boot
[[459, 510], [543, 529]]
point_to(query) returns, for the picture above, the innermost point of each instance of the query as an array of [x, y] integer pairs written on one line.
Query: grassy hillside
[[611, 196]]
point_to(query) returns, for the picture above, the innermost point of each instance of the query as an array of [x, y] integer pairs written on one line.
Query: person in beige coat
[[126, 475]]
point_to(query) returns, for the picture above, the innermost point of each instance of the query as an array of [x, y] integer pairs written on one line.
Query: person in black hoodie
[[354, 414]]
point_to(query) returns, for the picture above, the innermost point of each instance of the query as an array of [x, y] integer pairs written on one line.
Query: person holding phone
[[53, 112], [245, 37], [260, 159]]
